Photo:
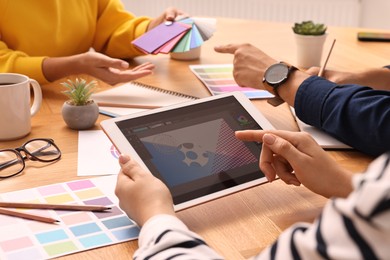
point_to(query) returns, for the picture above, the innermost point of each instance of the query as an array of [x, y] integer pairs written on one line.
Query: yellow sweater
[[32, 30]]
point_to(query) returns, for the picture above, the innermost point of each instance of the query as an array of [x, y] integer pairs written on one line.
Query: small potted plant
[[80, 111], [310, 38]]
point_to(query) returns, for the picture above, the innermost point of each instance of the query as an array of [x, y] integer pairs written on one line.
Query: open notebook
[[134, 97], [323, 139]]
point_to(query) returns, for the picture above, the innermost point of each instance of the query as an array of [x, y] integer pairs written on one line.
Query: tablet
[[192, 148]]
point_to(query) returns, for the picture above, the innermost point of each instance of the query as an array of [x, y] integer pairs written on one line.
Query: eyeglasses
[[39, 149]]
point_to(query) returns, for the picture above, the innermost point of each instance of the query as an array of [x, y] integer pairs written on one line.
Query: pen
[[322, 69], [27, 216], [106, 113], [53, 206]]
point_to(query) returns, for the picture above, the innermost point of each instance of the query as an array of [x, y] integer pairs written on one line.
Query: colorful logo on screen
[[114, 152], [242, 120]]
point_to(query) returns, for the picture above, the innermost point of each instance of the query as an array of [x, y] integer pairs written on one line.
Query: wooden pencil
[[322, 69], [53, 206], [27, 216]]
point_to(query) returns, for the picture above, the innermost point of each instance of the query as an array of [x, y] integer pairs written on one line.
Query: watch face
[[276, 74]]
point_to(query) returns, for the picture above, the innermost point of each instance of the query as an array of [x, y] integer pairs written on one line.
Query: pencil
[[106, 104], [53, 206], [322, 69], [27, 216]]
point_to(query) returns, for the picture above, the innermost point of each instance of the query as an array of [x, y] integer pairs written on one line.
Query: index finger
[[250, 135], [228, 48], [257, 135], [301, 140]]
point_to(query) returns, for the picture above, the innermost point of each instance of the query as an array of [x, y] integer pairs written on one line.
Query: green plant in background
[[309, 28], [79, 91]]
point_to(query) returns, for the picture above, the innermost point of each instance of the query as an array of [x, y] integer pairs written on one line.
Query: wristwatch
[[276, 74]]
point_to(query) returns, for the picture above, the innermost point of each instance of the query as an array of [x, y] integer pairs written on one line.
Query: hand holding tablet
[[192, 148]]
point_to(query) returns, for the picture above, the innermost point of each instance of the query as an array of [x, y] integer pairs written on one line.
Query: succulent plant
[[79, 91], [309, 28]]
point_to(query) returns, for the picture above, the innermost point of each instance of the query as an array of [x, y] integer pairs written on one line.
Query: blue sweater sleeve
[[356, 115]]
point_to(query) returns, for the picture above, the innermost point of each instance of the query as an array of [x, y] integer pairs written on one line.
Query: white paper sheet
[[96, 154], [325, 140]]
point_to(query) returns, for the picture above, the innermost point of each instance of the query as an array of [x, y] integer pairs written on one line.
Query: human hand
[[376, 78], [109, 70], [249, 63], [296, 158], [339, 77], [141, 195], [170, 14]]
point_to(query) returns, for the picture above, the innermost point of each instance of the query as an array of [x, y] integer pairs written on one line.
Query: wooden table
[[240, 225]]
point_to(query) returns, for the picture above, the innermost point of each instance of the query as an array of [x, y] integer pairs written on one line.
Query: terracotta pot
[[80, 117]]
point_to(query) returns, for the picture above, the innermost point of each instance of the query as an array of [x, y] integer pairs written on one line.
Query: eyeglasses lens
[[10, 163], [42, 150]]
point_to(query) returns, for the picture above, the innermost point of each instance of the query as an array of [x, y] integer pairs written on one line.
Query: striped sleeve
[[354, 228], [166, 237], [357, 227]]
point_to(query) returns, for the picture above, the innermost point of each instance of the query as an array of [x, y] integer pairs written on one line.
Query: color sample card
[[178, 36], [77, 230], [159, 36], [219, 79]]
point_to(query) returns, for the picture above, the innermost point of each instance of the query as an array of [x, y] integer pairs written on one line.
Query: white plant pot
[[80, 117], [309, 50]]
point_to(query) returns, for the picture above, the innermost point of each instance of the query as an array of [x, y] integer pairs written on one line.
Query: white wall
[[362, 13], [375, 14]]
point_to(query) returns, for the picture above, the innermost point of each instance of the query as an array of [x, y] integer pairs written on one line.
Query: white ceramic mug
[[15, 106]]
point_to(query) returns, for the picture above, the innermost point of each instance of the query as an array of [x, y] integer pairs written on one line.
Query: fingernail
[[123, 158], [125, 65], [269, 139]]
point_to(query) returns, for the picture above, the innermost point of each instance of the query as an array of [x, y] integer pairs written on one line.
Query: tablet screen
[[193, 149]]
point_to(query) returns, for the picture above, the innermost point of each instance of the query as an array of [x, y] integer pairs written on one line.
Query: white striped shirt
[[357, 227]]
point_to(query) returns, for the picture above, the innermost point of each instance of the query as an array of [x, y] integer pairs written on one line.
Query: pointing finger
[[229, 48]]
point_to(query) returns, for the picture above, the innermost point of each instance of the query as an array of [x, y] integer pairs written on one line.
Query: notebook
[[325, 140], [135, 96]]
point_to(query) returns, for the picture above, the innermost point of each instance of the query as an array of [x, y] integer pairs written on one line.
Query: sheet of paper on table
[[96, 154]]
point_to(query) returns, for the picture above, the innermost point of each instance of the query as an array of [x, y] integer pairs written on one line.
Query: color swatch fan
[[178, 36]]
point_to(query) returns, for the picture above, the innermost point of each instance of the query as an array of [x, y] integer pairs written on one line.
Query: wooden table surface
[[240, 225]]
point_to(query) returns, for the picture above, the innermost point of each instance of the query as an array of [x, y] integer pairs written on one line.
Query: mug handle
[[37, 97]]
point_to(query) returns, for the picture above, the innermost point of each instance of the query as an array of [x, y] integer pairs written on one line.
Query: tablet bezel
[[119, 140]]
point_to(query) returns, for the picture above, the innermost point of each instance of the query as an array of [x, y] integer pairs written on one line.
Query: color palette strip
[[178, 36], [77, 231], [219, 79]]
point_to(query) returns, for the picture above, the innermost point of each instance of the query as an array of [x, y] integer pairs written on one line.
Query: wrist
[[283, 80], [59, 67], [154, 211], [343, 77], [276, 75], [289, 90]]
